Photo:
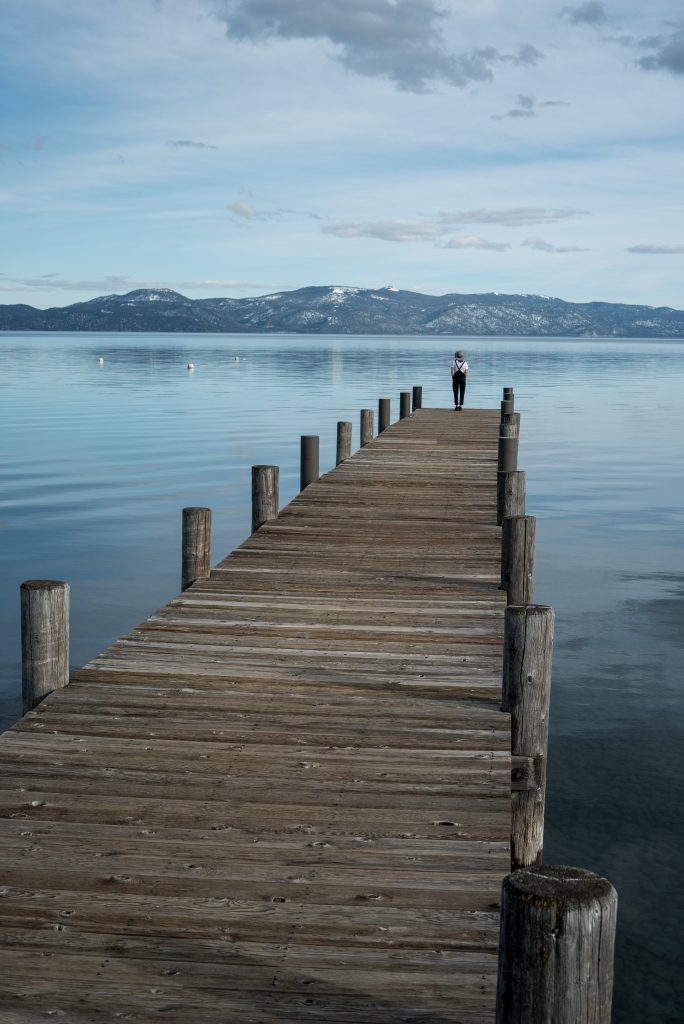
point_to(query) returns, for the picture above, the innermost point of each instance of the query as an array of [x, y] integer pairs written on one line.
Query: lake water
[[99, 459]]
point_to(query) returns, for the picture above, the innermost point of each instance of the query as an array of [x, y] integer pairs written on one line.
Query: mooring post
[[383, 414], [507, 406], [417, 394], [556, 947], [44, 639], [510, 495], [196, 546], [366, 426], [512, 419], [344, 442], [508, 448], [518, 538], [508, 393], [526, 694], [404, 404], [265, 494], [308, 463]]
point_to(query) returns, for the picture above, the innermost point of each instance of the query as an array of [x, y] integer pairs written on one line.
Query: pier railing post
[[265, 494], [510, 495], [556, 947], [384, 406], [308, 463], [367, 428], [508, 448], [518, 538], [528, 653], [44, 639], [404, 404], [344, 442], [196, 546], [417, 397]]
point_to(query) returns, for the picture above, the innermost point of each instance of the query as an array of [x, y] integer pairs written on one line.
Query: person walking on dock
[[459, 372]]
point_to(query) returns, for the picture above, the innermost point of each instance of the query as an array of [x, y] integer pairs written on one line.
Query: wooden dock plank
[[286, 795]]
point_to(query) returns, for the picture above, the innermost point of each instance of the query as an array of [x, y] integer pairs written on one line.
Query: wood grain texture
[[285, 796]]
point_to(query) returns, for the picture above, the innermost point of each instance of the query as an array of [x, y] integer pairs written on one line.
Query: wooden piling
[[510, 495], [404, 404], [507, 406], [367, 429], [417, 397], [508, 393], [528, 652], [518, 538], [44, 639], [384, 407], [265, 494], [309, 460], [344, 442], [512, 418], [196, 546], [508, 448], [556, 947]]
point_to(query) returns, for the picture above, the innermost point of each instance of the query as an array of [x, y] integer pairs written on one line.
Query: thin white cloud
[[475, 242], [189, 144], [248, 211], [117, 283], [527, 106], [514, 216], [390, 230], [397, 39], [540, 245], [657, 250]]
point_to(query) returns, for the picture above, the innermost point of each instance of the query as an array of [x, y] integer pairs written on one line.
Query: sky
[[241, 147]]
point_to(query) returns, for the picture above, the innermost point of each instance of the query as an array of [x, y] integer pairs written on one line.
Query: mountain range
[[344, 310]]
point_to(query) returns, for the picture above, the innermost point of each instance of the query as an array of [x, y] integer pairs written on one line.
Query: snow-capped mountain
[[348, 310]]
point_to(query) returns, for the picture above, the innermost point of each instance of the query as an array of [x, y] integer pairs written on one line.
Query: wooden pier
[[286, 796]]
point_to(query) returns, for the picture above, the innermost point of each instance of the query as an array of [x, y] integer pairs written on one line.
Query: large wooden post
[[383, 414], [309, 460], [518, 538], [556, 947], [44, 639], [528, 651], [417, 396], [344, 442], [510, 495], [366, 427], [404, 404], [265, 494], [196, 546]]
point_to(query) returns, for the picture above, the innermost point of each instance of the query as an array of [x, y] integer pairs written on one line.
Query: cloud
[[527, 106], [396, 39], [474, 242], [668, 53], [116, 283], [592, 13], [513, 217], [541, 246], [390, 230], [657, 250], [189, 144], [247, 211]]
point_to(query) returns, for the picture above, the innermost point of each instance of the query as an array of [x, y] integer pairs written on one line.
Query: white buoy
[[237, 359], [101, 360], [191, 366]]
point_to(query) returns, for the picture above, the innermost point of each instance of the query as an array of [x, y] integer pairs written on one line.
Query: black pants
[[459, 382]]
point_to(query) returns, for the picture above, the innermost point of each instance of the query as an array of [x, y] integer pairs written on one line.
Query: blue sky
[[237, 147]]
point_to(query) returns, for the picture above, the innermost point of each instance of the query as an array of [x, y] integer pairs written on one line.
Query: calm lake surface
[[98, 461]]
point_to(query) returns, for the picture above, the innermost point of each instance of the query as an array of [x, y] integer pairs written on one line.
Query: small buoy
[[191, 366], [237, 359], [101, 360]]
